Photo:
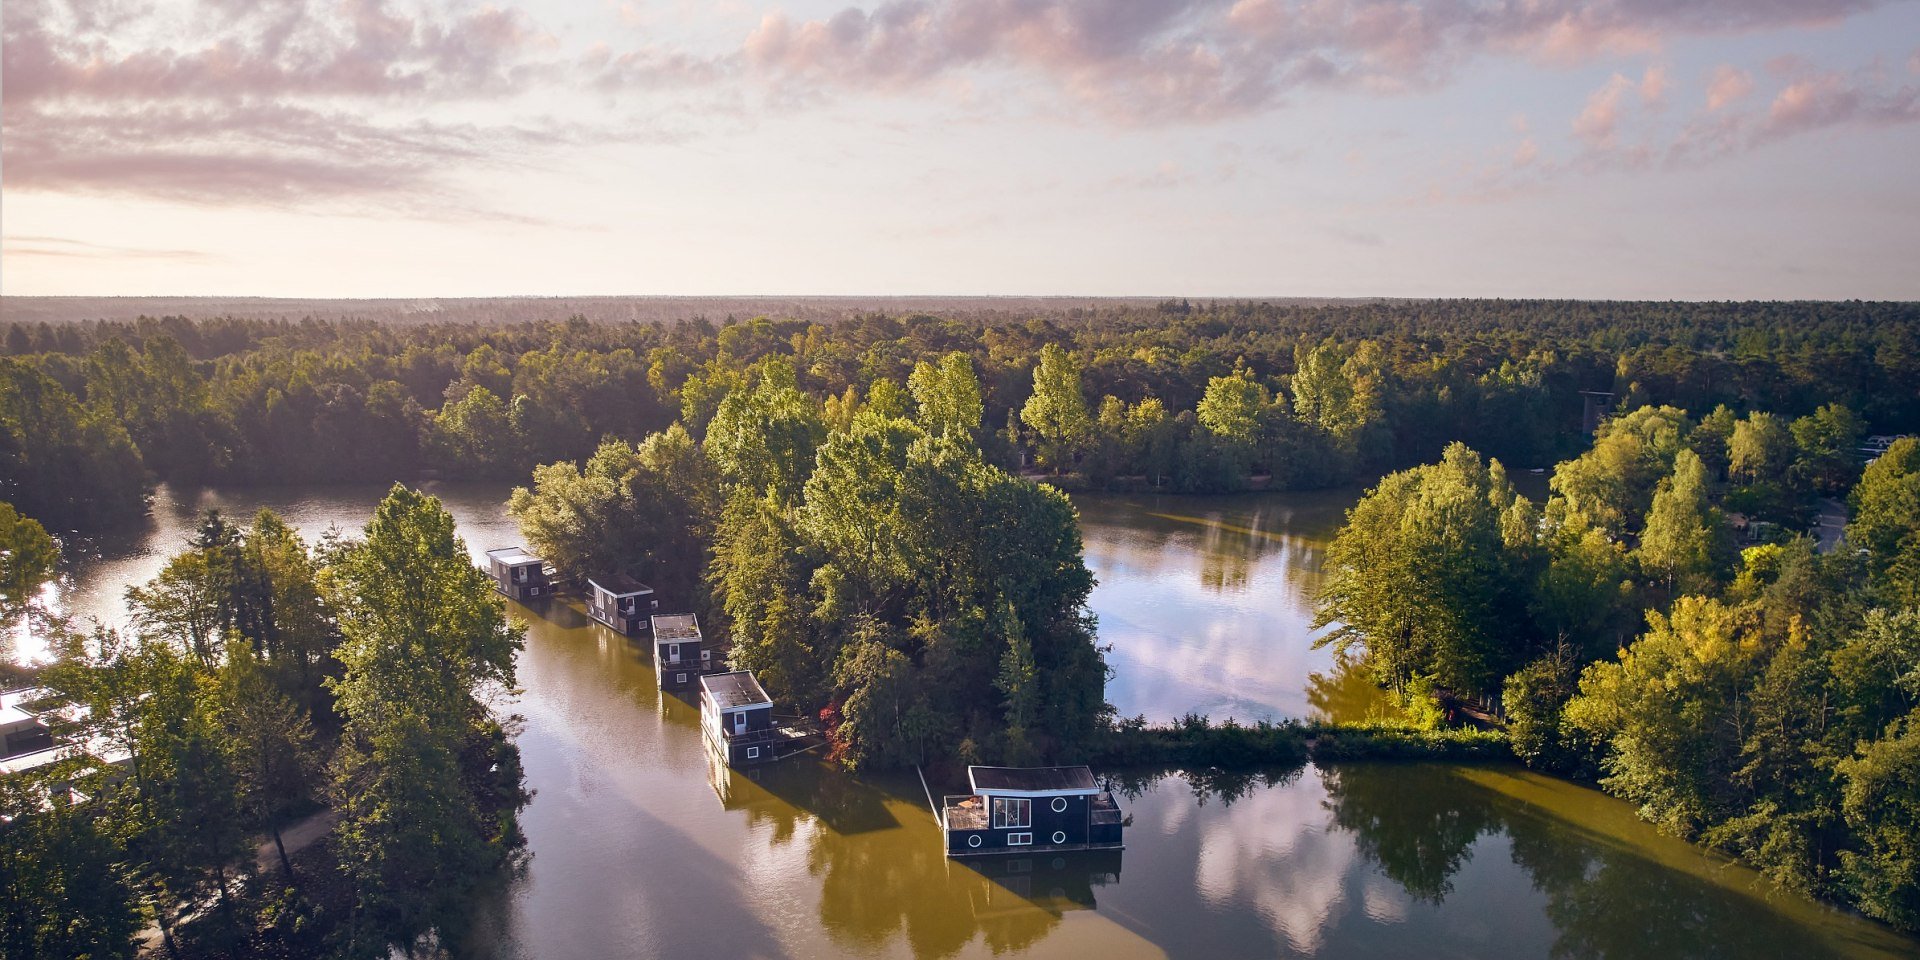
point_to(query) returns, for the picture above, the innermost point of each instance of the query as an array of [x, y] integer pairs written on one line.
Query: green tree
[[1680, 540], [948, 394], [1422, 577], [59, 461], [1761, 450], [61, 890], [762, 439], [28, 558], [1671, 714], [427, 786], [1057, 410], [1611, 486], [1232, 407], [1882, 808], [1827, 445], [1886, 519]]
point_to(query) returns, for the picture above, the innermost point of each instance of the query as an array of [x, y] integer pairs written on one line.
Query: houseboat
[[736, 717], [680, 653], [518, 574], [1031, 810], [620, 602]]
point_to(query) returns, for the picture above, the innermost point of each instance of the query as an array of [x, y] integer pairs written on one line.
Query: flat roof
[[675, 627], [1032, 780], [736, 689], [619, 584], [513, 556]]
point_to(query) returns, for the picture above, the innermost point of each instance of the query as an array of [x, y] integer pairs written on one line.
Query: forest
[[871, 513], [92, 414], [1649, 629], [263, 680]]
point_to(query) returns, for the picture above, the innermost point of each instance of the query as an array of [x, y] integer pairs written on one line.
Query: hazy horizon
[[415, 149]]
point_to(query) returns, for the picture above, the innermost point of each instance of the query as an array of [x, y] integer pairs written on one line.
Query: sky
[[1624, 149]]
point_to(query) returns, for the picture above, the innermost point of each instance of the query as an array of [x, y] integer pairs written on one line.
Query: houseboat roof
[[620, 585], [675, 627], [513, 556], [1032, 781], [736, 689]]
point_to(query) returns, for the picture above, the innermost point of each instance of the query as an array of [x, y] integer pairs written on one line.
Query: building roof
[[675, 627], [513, 556], [620, 585], [1045, 781], [736, 689]]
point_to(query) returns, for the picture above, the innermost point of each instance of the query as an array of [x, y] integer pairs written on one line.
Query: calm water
[[642, 848]]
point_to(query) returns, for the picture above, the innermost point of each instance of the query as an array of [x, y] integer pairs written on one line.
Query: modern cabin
[[1031, 810], [621, 602], [736, 717], [518, 574], [680, 653]]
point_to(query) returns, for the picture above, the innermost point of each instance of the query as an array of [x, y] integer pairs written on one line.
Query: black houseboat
[[680, 653], [518, 574], [1031, 810], [736, 717], [620, 602]]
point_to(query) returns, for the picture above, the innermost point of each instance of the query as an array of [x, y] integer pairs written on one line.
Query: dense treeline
[[1661, 626], [262, 680], [1186, 396], [863, 558]]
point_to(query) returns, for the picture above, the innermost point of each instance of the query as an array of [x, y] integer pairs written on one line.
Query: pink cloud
[[1599, 121], [1729, 83], [256, 103], [1653, 87], [1831, 99], [1199, 60]]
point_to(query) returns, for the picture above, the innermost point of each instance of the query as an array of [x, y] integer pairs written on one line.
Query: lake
[[640, 847]]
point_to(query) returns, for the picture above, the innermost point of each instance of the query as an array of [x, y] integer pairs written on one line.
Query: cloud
[[1526, 153], [1653, 87], [288, 102], [1200, 60], [1598, 122], [16, 245], [1729, 83], [1831, 99]]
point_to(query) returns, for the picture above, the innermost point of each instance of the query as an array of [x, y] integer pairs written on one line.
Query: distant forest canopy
[[1176, 395]]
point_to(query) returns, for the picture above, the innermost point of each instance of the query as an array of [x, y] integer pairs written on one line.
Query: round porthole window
[[1059, 804], [973, 841], [1059, 836]]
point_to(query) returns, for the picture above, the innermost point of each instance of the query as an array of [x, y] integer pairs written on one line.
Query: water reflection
[[639, 848], [1207, 601]]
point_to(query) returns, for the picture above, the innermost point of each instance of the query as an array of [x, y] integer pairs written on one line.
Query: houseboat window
[[679, 678], [974, 840], [1012, 812], [753, 753], [673, 652], [739, 720], [1059, 836], [1059, 804], [1019, 839]]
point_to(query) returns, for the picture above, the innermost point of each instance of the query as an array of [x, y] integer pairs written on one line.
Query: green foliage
[[645, 510], [1827, 444], [948, 394], [1881, 801], [1681, 541], [1611, 486], [28, 557], [60, 461], [1886, 519], [762, 439], [1057, 410], [1421, 577], [61, 889], [427, 807]]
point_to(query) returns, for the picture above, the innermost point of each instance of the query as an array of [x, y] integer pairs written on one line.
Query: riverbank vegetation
[[1186, 397], [260, 682], [1661, 626]]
